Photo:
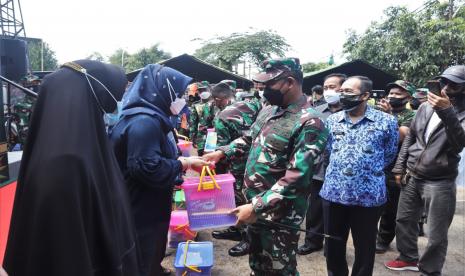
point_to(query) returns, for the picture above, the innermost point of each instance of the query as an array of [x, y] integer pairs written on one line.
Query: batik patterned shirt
[[358, 153]]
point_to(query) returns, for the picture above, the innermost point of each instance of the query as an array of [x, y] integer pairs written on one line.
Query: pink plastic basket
[[185, 147], [179, 230], [209, 206]]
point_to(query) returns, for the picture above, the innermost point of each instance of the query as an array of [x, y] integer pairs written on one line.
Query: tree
[[119, 57], [413, 45], [140, 59], [146, 56], [312, 66], [35, 56], [226, 51], [96, 56]]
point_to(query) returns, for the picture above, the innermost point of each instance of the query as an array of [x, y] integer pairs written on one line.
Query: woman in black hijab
[[71, 213], [146, 150]]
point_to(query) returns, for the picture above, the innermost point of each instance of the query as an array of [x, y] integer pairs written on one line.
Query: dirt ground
[[314, 264]]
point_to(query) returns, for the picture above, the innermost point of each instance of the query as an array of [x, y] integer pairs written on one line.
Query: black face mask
[[456, 99], [397, 102], [350, 102], [415, 104], [273, 96]]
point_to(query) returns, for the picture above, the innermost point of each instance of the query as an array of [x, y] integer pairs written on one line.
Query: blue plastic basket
[[199, 256]]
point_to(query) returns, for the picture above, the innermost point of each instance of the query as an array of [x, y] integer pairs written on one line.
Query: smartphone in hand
[[434, 87]]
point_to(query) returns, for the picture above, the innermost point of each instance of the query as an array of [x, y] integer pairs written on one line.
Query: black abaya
[[71, 213]]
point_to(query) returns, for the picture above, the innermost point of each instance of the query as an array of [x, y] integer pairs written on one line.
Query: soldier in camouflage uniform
[[400, 93], [196, 134], [24, 110], [205, 114], [230, 124], [282, 145], [420, 96]]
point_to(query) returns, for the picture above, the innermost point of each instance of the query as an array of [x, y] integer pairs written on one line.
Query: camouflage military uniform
[[387, 224], [405, 117], [230, 124], [282, 146], [24, 110], [201, 120], [198, 124]]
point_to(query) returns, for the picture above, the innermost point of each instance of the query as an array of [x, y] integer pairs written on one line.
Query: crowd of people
[[94, 192]]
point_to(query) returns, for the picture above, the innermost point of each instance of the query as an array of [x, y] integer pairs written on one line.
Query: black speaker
[[13, 58]]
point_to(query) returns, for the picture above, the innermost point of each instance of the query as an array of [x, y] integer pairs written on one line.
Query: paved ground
[[314, 264]]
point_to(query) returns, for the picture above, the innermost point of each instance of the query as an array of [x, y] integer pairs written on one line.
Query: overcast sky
[[314, 29]]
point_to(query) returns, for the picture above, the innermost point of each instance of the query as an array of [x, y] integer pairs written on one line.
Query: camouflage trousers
[[272, 251], [238, 192], [199, 143]]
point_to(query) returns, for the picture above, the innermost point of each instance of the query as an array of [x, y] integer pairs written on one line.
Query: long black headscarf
[[71, 213]]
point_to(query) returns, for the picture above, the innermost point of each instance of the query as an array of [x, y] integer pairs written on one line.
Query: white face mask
[[177, 104], [331, 96], [260, 93], [205, 95]]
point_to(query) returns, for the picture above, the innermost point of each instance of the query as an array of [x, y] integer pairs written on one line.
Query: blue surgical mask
[[111, 119]]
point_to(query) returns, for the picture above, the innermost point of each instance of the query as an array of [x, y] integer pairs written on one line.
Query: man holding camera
[[429, 160]]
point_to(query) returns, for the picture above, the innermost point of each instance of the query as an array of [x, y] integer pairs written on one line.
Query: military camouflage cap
[[273, 68], [421, 93], [231, 83], [407, 86], [224, 89], [203, 84]]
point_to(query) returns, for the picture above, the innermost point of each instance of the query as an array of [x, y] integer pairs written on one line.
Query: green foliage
[[119, 57], [96, 56], [146, 56], [226, 51], [35, 49], [140, 59], [413, 45], [312, 66]]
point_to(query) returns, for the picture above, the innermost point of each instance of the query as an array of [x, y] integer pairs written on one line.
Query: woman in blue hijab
[[145, 147]]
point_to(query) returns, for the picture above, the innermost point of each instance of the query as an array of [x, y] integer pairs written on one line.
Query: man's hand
[[398, 178], [245, 214], [439, 102], [197, 163], [214, 157], [194, 163], [385, 106]]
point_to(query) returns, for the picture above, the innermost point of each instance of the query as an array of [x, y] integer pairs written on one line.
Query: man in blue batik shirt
[[362, 142]]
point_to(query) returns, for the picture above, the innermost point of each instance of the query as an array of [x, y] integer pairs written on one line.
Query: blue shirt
[[358, 153]]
